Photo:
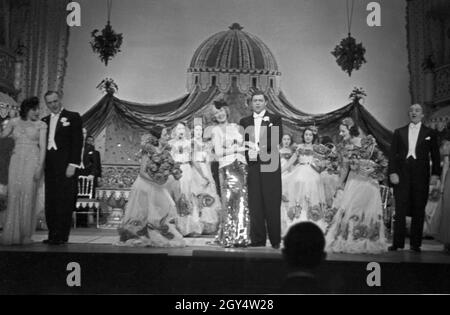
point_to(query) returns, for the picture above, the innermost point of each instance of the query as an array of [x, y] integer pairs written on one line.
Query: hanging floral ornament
[[357, 94], [108, 86], [107, 43], [349, 55]]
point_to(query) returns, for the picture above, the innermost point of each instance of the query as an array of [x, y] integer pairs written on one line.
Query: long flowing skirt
[[23, 202], [150, 217], [304, 198], [443, 232], [234, 225], [188, 210], [358, 225], [207, 200]]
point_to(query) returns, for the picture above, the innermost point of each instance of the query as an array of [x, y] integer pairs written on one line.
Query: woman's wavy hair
[[28, 104], [351, 126]]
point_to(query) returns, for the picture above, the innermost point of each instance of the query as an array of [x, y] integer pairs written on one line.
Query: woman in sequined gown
[[203, 184], [25, 173], [304, 190], [358, 225], [234, 225], [189, 223]]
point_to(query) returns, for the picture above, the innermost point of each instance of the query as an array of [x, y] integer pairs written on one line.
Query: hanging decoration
[[349, 55], [107, 43], [108, 86]]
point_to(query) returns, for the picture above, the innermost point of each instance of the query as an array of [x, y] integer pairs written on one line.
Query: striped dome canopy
[[234, 51]]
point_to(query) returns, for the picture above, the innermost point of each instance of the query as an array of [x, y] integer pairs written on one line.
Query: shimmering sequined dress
[[304, 192], [234, 225], [358, 225], [189, 223], [25, 195]]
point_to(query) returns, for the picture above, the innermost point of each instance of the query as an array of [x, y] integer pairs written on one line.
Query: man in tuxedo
[[91, 165], [65, 140], [413, 148], [263, 133]]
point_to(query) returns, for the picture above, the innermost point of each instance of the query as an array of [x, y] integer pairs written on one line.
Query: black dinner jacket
[[427, 149], [265, 134], [68, 137]]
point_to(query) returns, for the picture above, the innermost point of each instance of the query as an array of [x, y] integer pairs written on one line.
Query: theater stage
[[201, 268]]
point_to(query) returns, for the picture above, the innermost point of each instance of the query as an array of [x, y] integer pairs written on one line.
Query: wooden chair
[[85, 199]]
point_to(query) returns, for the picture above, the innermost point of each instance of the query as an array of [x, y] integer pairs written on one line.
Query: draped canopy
[[144, 116]]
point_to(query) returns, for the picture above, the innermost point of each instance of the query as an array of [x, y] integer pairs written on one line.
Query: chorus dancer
[[358, 225], [330, 175], [304, 190], [151, 213], [189, 223], [203, 184], [443, 227], [228, 143], [286, 151]]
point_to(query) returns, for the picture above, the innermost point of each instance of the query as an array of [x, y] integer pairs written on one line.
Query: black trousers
[[264, 200], [411, 197], [60, 198]]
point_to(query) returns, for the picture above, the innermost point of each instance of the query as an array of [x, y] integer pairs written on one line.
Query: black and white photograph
[[208, 148]]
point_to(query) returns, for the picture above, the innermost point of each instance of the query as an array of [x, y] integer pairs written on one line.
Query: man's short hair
[[259, 92], [50, 92], [304, 245]]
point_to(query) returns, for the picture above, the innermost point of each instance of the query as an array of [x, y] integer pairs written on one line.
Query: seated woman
[[151, 214]]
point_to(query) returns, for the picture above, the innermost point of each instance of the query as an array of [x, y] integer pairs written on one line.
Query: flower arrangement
[[160, 164], [349, 55], [108, 86], [369, 159], [357, 94], [107, 43]]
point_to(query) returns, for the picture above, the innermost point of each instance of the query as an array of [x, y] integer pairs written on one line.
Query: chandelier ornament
[[349, 55], [107, 42]]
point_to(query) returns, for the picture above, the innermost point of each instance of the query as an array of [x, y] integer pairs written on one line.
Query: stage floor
[[91, 240], [202, 268]]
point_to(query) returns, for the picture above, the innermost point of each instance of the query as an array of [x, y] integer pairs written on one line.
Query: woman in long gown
[[25, 173], [286, 152], [189, 223], [203, 184], [330, 175], [443, 230], [358, 225], [234, 225], [304, 190], [150, 214]]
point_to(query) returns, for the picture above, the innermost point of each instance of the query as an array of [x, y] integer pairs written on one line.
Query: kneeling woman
[[151, 214]]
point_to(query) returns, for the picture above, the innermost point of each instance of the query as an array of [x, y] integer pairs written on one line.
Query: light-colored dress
[[304, 191], [234, 224], [150, 216], [189, 223], [208, 202], [358, 225], [25, 194], [443, 231]]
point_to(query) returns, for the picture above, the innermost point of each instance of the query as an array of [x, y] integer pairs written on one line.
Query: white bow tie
[[260, 115], [414, 126]]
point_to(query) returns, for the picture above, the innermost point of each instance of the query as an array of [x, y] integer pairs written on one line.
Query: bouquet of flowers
[[369, 159], [160, 164]]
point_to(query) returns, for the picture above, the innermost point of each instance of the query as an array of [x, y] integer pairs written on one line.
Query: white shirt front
[[258, 118], [413, 135], [52, 130]]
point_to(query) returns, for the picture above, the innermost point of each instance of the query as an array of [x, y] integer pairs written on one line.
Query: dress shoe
[[54, 242], [276, 246], [393, 248], [47, 241], [415, 249]]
